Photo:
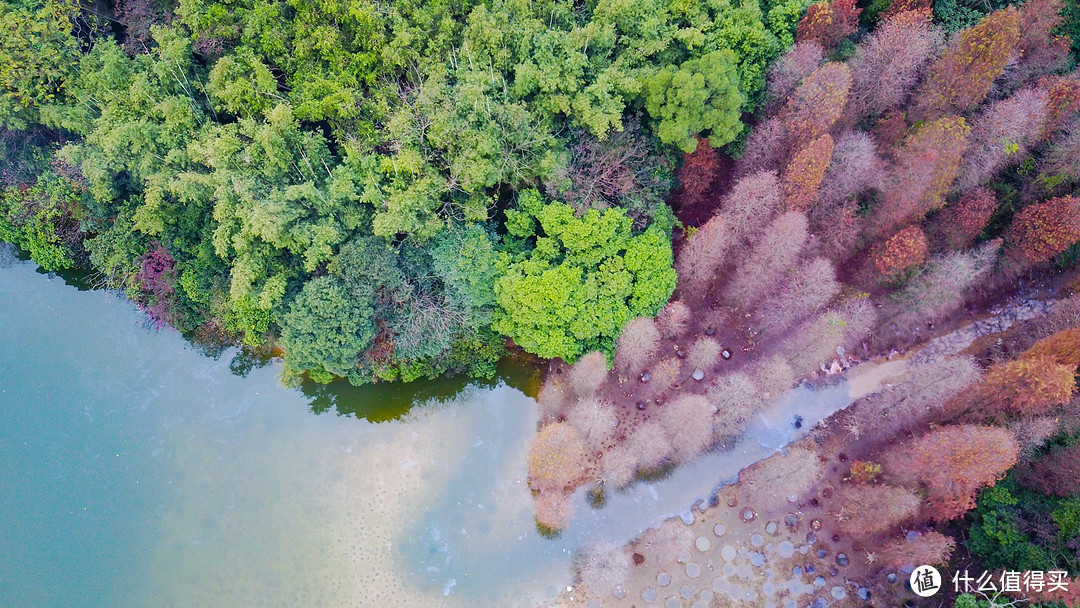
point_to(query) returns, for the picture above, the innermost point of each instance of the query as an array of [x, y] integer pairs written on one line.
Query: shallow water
[[137, 471]]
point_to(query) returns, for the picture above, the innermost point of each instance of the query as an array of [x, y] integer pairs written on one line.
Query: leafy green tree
[[325, 330], [43, 220], [574, 282], [701, 95], [37, 53]]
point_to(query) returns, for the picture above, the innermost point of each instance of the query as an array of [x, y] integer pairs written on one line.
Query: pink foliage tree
[[818, 102], [796, 64], [887, 66], [1001, 135]]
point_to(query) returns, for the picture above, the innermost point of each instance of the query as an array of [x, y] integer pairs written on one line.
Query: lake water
[[140, 472]]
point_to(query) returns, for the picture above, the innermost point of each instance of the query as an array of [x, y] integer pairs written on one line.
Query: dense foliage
[[333, 178]]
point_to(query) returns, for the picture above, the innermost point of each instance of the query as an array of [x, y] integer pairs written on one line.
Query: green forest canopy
[[349, 180]]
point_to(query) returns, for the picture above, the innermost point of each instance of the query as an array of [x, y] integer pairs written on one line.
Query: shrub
[[808, 288], [687, 420], [735, 397], [902, 251], [673, 319], [637, 346], [818, 102], [594, 420], [556, 460], [1031, 385], [553, 510], [777, 251], [751, 204], [863, 471], [650, 445], [864, 510], [959, 224], [887, 65], [703, 353], [931, 548], [796, 64], [773, 480], [952, 463], [1002, 135], [1041, 231], [960, 79], [588, 373], [804, 172]]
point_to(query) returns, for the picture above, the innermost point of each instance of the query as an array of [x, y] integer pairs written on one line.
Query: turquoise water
[[140, 472]]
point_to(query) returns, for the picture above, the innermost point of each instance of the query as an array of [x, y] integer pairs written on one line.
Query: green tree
[[325, 330], [574, 282], [701, 95], [37, 53]]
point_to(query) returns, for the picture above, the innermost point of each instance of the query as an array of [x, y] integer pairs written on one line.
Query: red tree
[[702, 256], [1063, 347], [961, 78], [952, 464], [901, 252], [1043, 230], [766, 148], [556, 459], [864, 510], [697, 174], [959, 224], [804, 173], [1029, 386], [828, 23], [774, 253], [897, 7], [1040, 51], [1064, 101], [925, 168], [927, 548], [637, 346], [818, 102]]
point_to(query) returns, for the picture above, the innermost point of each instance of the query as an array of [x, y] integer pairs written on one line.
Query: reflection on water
[[138, 472]]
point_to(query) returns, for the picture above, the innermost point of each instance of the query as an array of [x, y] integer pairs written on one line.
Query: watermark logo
[[1010, 581], [925, 581]]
